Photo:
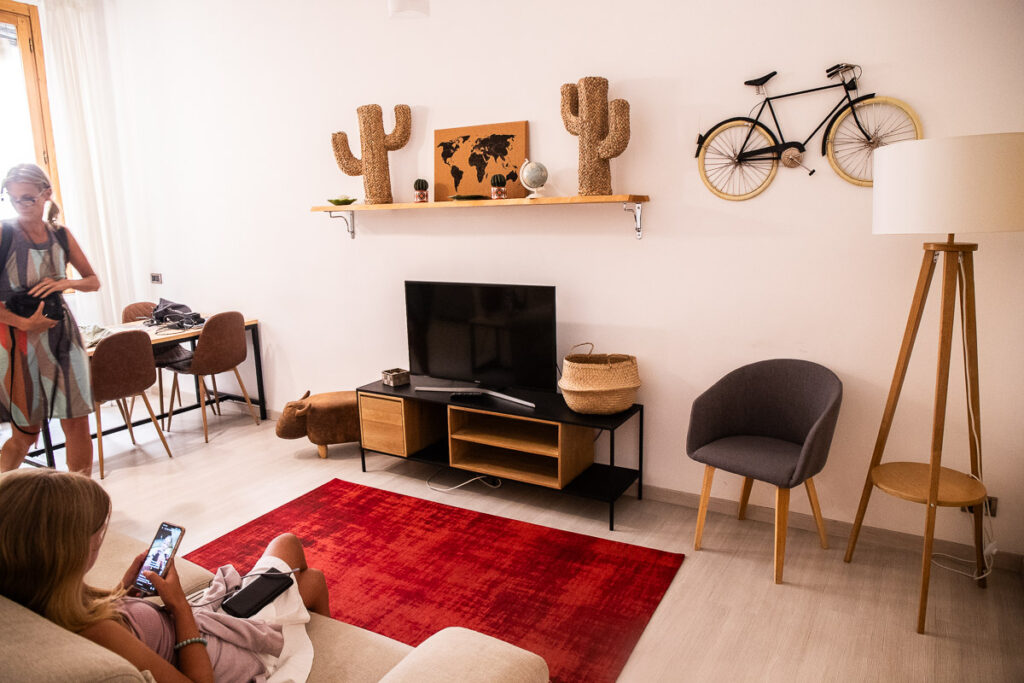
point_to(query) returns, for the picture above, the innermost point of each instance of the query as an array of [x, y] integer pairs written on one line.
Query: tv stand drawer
[[397, 426]]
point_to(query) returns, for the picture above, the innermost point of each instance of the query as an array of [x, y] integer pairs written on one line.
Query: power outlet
[[156, 278], [992, 504]]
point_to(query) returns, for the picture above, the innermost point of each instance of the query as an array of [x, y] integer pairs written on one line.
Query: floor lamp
[[942, 186]]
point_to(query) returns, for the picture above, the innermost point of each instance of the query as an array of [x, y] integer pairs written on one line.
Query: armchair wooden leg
[[99, 437], [321, 450], [781, 519], [748, 484], [252, 411], [702, 509], [202, 405], [812, 495], [156, 424]]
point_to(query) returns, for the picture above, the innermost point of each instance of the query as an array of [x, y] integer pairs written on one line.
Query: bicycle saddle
[[761, 81]]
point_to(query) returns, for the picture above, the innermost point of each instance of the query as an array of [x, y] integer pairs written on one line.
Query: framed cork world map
[[466, 158]]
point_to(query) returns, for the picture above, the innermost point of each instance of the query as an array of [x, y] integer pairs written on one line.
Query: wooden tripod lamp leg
[[970, 332], [950, 273], [924, 280]]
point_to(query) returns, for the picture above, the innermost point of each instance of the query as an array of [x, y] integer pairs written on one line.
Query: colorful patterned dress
[[41, 369]]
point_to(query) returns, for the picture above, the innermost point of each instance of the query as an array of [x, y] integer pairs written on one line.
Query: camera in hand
[[25, 305]]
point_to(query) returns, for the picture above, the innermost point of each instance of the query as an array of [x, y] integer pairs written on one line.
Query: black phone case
[[257, 594]]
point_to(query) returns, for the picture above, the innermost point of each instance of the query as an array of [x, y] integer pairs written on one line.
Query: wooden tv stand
[[547, 445]]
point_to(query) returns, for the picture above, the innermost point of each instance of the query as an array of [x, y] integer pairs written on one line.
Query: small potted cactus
[[498, 183], [420, 190]]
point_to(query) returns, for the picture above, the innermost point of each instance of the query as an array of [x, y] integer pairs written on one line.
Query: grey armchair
[[772, 421]]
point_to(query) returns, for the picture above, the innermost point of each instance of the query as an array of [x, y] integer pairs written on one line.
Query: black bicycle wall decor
[[738, 157]]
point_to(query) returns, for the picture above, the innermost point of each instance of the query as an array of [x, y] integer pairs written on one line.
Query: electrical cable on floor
[[482, 479]]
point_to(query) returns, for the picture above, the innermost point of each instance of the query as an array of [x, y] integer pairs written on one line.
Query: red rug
[[407, 568]]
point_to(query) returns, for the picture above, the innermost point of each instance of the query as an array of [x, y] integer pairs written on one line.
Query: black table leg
[[48, 445], [640, 467], [611, 480], [258, 360], [192, 343]]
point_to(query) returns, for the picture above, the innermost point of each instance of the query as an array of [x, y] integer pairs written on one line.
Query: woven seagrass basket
[[599, 383]]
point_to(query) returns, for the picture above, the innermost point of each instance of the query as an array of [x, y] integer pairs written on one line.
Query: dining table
[[159, 335]]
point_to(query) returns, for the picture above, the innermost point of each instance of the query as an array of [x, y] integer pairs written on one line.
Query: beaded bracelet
[[189, 641]]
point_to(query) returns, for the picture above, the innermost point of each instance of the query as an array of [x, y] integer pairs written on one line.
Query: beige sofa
[[35, 649]]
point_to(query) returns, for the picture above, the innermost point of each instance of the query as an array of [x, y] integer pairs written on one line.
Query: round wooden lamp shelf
[[910, 480]]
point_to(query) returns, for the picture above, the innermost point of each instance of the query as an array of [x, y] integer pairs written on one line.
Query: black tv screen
[[499, 336]]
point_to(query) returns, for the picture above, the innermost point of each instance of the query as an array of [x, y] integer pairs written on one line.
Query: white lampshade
[[950, 185]]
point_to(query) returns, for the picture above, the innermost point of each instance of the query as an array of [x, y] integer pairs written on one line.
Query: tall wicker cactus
[[375, 147], [602, 127]]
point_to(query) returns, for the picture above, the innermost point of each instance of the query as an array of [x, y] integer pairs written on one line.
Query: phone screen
[[161, 550]]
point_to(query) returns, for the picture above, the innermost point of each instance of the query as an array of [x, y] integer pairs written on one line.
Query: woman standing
[[43, 364]]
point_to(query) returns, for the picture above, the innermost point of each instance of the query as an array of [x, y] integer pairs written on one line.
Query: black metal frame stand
[[601, 482]]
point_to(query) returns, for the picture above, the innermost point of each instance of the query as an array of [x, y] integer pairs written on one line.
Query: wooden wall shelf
[[630, 202]]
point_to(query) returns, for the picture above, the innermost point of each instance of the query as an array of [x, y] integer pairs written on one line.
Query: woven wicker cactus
[[375, 144], [602, 127]]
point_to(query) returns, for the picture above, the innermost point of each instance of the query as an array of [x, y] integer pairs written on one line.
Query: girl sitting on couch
[[52, 525]]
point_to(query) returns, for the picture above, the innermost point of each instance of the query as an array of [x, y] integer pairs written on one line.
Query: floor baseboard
[[897, 540]]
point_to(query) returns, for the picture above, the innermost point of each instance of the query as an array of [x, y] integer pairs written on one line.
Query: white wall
[[230, 107]]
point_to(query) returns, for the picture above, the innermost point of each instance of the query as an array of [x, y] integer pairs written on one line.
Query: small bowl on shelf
[[343, 201]]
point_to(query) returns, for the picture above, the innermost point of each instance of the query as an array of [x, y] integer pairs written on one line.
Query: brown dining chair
[[163, 354], [122, 367], [220, 348]]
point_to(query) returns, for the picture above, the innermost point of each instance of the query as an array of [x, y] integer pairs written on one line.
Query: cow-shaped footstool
[[326, 419]]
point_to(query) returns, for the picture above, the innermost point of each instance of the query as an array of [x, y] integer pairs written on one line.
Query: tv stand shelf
[[548, 445], [517, 435]]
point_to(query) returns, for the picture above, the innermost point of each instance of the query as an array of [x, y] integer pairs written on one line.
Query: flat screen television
[[496, 336]]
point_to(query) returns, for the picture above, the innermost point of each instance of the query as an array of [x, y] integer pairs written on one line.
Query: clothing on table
[[46, 368], [272, 645]]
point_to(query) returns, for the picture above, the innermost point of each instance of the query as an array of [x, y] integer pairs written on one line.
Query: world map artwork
[[466, 158]]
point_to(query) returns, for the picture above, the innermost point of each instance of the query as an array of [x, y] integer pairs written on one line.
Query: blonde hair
[[47, 519], [30, 173]]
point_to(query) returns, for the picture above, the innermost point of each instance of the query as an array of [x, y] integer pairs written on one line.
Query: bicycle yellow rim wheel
[[887, 119]]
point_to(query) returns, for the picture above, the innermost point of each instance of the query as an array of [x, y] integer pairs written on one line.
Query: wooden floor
[[723, 618]]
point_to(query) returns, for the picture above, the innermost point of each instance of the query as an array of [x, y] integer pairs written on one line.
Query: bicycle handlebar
[[836, 69]]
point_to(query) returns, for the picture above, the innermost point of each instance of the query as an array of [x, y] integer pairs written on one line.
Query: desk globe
[[533, 175]]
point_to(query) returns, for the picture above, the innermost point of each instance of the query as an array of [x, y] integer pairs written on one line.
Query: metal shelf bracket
[[637, 210], [350, 220]]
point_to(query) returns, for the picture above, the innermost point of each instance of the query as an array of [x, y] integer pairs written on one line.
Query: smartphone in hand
[[161, 550]]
